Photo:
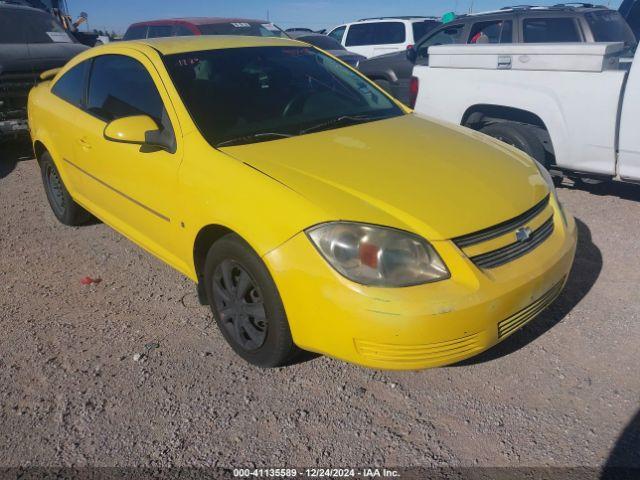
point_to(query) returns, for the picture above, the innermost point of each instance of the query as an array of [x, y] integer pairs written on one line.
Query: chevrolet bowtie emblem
[[523, 234]]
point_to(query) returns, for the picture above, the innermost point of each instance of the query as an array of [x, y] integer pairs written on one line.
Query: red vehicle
[[179, 27]]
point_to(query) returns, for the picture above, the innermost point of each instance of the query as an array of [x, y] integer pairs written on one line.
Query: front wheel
[[66, 210], [519, 136], [246, 304]]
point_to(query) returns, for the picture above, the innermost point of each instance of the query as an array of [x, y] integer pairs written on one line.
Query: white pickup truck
[[573, 107]]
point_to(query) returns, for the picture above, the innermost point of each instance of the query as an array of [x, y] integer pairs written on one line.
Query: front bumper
[[423, 326], [14, 128]]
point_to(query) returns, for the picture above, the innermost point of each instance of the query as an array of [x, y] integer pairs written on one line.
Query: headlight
[[380, 256], [544, 173]]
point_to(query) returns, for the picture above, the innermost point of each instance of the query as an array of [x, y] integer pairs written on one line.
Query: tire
[[66, 210], [253, 321], [519, 136]]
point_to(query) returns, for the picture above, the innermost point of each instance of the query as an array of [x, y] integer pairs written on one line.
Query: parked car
[[181, 27], [573, 107], [630, 10], [330, 45], [376, 36], [31, 41], [560, 23], [299, 30], [314, 211]]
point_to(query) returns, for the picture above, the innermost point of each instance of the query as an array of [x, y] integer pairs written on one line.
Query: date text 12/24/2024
[[315, 473]]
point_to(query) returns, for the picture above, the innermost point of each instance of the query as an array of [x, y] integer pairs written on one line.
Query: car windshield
[[251, 29], [28, 26], [245, 95], [609, 26], [322, 41]]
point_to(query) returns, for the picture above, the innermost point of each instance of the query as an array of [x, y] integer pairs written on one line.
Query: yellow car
[[313, 210]]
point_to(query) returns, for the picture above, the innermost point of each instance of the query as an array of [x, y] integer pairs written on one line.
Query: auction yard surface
[[564, 391]]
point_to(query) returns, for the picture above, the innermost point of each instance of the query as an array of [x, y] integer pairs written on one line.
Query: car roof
[[559, 8], [300, 34], [171, 45], [410, 18], [197, 21]]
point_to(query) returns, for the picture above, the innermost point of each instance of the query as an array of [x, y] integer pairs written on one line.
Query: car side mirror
[[139, 130], [412, 54]]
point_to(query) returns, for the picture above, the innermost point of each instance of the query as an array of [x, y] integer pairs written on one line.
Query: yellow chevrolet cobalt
[[312, 210]]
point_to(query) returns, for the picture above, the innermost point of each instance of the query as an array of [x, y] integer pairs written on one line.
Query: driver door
[[132, 187]]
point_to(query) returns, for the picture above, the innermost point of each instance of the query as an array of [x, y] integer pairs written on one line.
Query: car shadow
[[11, 153], [624, 460], [585, 272], [625, 191]]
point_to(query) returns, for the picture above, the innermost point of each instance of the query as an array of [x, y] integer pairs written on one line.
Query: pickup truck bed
[[575, 98]]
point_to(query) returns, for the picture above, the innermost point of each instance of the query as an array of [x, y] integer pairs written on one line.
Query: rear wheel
[[246, 304], [66, 210], [519, 136]]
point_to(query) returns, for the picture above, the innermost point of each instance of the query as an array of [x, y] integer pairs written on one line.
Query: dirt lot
[[564, 391]]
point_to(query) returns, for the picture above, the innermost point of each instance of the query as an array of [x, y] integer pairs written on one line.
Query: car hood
[[435, 179]]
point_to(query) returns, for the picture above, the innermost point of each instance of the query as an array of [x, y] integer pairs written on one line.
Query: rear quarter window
[[609, 26], [550, 30], [70, 87], [135, 32], [157, 31], [420, 29], [379, 33]]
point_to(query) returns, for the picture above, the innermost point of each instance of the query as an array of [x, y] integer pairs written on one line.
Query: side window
[[445, 36], [156, 31], [136, 32], [338, 33], [70, 87], [550, 30], [379, 33], [120, 86], [182, 31], [497, 31]]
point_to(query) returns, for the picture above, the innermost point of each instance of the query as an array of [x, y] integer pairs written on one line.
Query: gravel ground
[[564, 391]]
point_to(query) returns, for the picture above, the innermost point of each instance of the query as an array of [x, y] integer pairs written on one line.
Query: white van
[[376, 36]]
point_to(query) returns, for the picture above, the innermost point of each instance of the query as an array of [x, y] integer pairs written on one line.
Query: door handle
[[84, 144]]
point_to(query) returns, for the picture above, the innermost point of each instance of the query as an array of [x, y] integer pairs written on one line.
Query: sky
[[118, 14]]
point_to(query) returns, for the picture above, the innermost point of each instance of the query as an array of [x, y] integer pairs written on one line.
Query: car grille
[[435, 352], [518, 320], [517, 249], [14, 90]]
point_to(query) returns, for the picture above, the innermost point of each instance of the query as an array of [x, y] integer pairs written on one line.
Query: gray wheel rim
[[55, 189], [239, 305]]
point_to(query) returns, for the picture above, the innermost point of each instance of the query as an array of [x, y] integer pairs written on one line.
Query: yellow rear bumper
[[423, 326]]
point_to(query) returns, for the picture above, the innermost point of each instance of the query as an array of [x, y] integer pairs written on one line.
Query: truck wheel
[[246, 304], [519, 136], [66, 210]]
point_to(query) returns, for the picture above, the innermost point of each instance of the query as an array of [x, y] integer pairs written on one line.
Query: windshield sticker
[[241, 25], [59, 37], [271, 26]]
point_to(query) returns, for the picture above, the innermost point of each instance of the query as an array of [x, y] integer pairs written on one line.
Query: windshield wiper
[[342, 120], [253, 138]]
